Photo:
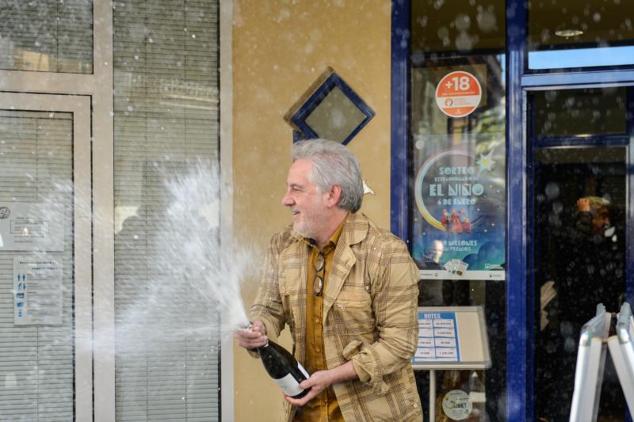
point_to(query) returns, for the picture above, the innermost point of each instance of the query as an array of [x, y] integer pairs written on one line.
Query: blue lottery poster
[[460, 199]]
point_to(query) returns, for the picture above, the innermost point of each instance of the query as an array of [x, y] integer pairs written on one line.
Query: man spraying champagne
[[348, 292]]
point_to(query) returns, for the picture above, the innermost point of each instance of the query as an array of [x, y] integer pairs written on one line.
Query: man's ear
[[334, 194]]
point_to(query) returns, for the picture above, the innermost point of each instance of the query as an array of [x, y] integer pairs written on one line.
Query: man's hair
[[333, 164]]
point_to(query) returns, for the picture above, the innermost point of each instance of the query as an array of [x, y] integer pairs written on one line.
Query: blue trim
[[518, 365], [531, 242], [577, 79], [399, 200], [298, 119], [297, 136]]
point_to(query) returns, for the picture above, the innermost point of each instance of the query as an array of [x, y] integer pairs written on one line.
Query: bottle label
[[302, 370], [289, 385], [456, 405]]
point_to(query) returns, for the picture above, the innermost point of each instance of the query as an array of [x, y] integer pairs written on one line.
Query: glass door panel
[[575, 34], [579, 262], [457, 211], [578, 221]]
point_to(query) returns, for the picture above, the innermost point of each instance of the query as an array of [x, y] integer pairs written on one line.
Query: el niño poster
[[460, 195]]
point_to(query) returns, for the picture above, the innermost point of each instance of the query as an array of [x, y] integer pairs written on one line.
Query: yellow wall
[[280, 47]]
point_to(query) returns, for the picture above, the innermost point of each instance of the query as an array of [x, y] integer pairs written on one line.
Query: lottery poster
[[460, 200]]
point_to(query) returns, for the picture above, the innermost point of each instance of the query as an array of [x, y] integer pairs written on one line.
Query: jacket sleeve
[[395, 304], [267, 306]]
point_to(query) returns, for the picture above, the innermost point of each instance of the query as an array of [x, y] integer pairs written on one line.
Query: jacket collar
[[355, 229]]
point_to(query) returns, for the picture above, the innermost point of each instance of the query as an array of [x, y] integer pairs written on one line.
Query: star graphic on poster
[[485, 162]]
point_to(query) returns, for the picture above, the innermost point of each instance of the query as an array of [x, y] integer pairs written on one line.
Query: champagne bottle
[[283, 368]]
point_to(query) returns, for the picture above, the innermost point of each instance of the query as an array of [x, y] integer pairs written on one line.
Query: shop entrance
[[579, 155]]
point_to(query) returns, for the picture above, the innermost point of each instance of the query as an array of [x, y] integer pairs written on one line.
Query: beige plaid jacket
[[369, 316]]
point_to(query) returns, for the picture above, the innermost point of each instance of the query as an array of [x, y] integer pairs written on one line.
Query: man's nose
[[287, 201]]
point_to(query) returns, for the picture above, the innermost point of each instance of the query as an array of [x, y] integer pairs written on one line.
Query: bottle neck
[[257, 349]]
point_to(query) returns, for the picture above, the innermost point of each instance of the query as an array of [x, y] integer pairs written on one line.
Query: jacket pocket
[[353, 309], [354, 295]]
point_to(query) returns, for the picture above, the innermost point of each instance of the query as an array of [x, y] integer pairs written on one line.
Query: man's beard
[[303, 230]]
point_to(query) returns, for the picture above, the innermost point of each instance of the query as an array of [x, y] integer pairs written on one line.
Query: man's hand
[[321, 380], [252, 337], [317, 383]]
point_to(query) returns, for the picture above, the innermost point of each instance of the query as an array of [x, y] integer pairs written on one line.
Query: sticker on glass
[[456, 405], [458, 94]]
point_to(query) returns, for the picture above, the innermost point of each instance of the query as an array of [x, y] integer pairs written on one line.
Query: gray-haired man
[[347, 290]]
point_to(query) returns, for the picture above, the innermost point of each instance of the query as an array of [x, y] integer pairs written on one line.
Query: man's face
[[306, 202]]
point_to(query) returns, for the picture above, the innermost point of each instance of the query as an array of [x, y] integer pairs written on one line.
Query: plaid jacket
[[369, 316]]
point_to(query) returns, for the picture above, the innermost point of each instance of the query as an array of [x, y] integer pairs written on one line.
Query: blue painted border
[[332, 81], [519, 363], [400, 119]]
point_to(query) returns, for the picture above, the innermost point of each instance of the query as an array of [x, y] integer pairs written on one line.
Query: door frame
[[79, 106], [520, 289], [534, 143]]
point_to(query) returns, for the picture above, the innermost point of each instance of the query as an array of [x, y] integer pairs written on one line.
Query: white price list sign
[[451, 337], [437, 337], [37, 289]]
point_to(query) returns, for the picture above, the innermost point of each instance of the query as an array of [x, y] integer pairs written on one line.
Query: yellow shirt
[[324, 407]]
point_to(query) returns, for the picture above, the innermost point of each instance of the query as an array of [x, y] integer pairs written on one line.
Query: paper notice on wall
[[37, 289], [28, 226]]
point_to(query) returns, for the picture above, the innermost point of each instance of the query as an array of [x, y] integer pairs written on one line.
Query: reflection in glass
[[457, 25], [457, 211], [457, 179], [579, 262], [336, 116], [38, 359], [46, 36], [458, 166], [572, 34], [580, 112], [165, 118]]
